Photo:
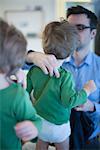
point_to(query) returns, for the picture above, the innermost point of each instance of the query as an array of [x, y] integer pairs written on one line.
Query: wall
[[48, 7]]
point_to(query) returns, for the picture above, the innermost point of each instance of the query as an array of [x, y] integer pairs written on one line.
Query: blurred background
[[30, 16]]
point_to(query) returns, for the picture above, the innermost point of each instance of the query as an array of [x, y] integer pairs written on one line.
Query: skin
[[48, 63]]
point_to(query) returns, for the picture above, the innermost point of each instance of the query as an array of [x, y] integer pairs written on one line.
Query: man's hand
[[48, 63], [88, 106], [21, 78], [26, 130]]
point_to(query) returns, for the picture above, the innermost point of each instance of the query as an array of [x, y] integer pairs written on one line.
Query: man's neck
[[79, 56]]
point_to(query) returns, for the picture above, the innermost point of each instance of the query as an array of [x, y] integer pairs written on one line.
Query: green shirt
[[54, 97], [15, 106]]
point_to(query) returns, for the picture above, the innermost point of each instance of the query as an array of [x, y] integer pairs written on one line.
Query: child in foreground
[[15, 105]]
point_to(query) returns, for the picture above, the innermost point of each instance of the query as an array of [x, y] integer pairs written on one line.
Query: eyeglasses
[[81, 27]]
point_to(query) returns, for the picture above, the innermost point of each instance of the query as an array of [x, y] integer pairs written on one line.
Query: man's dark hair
[[12, 48], [81, 10]]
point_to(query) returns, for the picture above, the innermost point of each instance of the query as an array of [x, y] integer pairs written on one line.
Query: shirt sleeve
[[29, 83], [24, 110], [95, 98], [29, 51], [69, 96], [27, 65]]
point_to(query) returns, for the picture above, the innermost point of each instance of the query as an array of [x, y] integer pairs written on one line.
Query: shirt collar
[[87, 59]]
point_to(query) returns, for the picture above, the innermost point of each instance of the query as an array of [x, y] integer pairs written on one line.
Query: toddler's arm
[[89, 87]]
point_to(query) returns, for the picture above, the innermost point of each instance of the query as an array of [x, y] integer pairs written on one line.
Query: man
[[84, 65]]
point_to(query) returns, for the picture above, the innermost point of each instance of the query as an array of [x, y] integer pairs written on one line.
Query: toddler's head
[[12, 48], [60, 39]]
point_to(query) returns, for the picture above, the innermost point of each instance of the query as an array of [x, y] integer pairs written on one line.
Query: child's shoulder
[[19, 92], [65, 75], [17, 87], [64, 71], [35, 69]]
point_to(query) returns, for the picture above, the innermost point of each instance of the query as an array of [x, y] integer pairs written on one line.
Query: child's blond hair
[[60, 39], [12, 48]]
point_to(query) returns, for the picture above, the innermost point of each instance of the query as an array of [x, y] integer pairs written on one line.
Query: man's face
[[83, 25]]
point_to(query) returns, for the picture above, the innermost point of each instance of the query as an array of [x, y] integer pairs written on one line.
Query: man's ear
[[93, 33]]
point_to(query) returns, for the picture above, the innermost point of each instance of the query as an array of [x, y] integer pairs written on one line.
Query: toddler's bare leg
[[63, 145], [42, 145]]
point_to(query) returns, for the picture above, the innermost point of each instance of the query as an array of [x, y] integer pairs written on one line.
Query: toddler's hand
[[26, 130], [21, 77], [88, 106], [90, 87]]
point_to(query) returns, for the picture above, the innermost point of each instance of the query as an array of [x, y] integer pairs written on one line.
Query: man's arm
[[48, 63]]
